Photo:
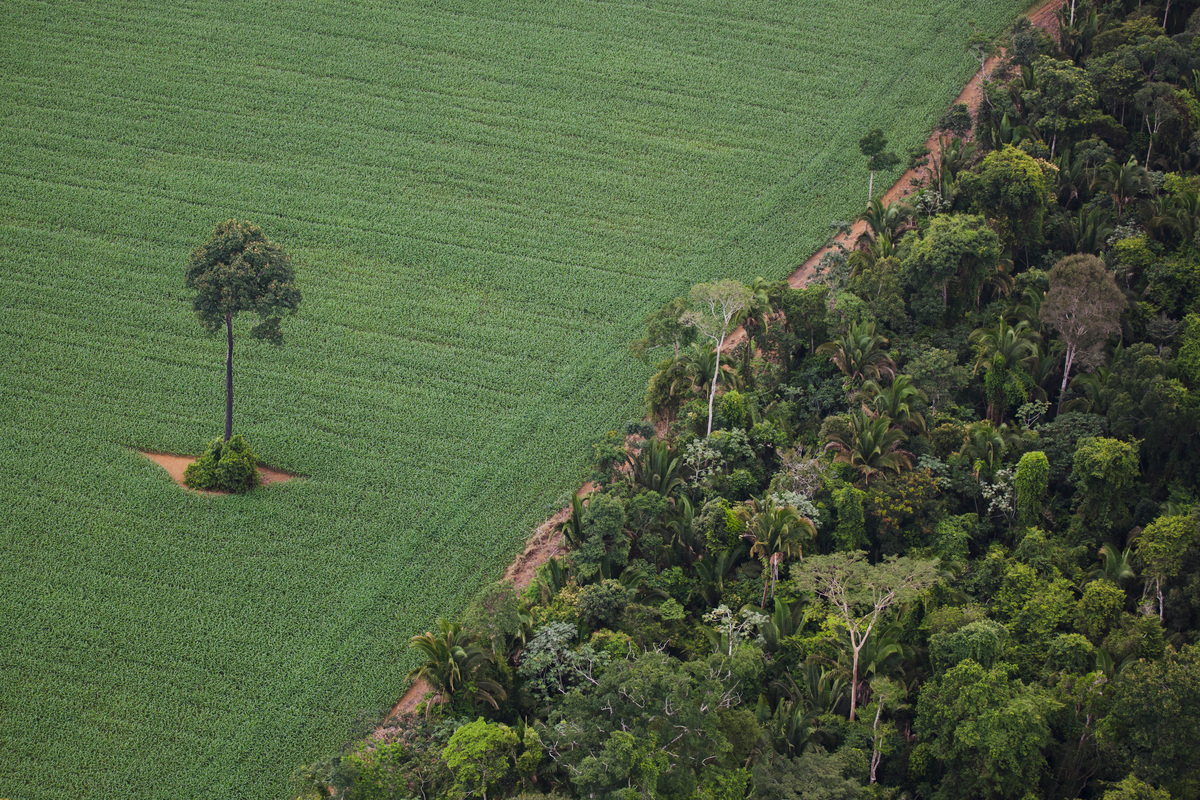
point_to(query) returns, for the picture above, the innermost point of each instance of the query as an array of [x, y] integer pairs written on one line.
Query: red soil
[[175, 465]]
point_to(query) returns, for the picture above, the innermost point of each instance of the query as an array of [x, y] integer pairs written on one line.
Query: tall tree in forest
[[860, 593], [1084, 305], [874, 146], [239, 269], [715, 307]]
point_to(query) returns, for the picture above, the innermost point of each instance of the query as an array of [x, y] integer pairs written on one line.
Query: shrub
[[225, 466], [601, 604]]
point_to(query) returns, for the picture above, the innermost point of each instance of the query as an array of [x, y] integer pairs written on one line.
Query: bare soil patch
[[175, 465]]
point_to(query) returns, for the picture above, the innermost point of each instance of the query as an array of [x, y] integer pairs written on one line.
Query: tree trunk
[[1072, 13], [1062, 391], [712, 392], [854, 683], [876, 756], [229, 378], [871, 187]]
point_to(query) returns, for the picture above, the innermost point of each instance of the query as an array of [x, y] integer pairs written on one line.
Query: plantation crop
[[483, 199]]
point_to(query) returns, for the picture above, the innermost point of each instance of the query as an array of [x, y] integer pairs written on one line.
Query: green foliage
[[983, 642], [1099, 609], [1070, 653], [812, 775], [982, 732], [604, 548], [1135, 636], [724, 784], [945, 271], [225, 467], [1130, 788], [601, 604], [952, 538], [1188, 360], [851, 531], [1059, 439], [550, 665], [479, 755], [614, 736], [495, 614], [1011, 189], [452, 664], [239, 269], [1032, 480], [1104, 470], [1154, 720]]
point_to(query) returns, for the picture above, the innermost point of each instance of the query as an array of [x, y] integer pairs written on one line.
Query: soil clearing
[[546, 543], [175, 465]]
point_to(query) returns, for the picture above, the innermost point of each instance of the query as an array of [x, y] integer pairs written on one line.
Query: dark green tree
[[1154, 720], [985, 730], [874, 147], [1011, 189], [239, 269], [1062, 99], [946, 270]]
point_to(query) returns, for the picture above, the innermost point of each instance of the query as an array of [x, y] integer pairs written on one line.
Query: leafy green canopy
[[239, 269]]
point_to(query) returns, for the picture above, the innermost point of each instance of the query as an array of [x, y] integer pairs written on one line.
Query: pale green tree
[[715, 308], [860, 593]]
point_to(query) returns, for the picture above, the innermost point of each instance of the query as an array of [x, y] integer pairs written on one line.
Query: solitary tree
[[1084, 305], [874, 147], [715, 307], [240, 269]]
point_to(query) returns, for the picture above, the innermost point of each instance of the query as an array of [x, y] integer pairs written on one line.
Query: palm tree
[[1094, 392], [984, 447], [871, 446], [1115, 565], [777, 532], [714, 570], [452, 662], [860, 353], [891, 220], [700, 359], [1173, 214], [657, 468], [787, 620], [571, 528], [897, 400], [1087, 231], [684, 541], [1007, 352], [1123, 182]]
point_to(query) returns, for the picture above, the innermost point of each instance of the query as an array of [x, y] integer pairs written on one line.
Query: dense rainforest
[[927, 528]]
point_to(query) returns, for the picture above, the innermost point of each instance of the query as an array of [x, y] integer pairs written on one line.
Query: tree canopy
[[239, 269]]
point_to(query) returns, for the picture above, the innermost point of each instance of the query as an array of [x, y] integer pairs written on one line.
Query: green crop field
[[483, 200]]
